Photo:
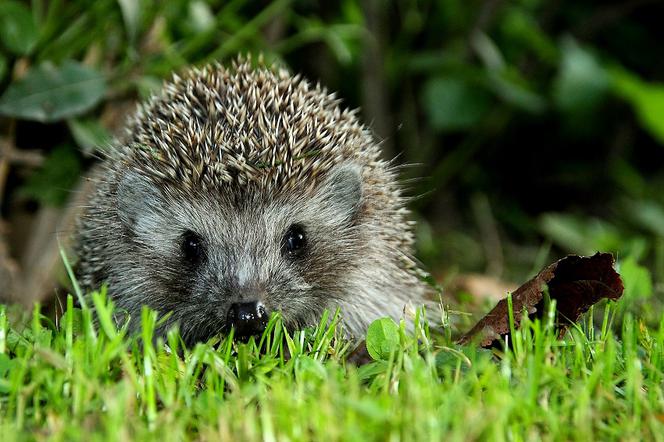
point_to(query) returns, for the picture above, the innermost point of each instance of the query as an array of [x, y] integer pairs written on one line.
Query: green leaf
[[307, 368], [454, 103], [18, 31], [77, 321], [582, 82], [637, 280], [3, 67], [509, 87], [51, 184], [647, 99], [461, 357], [369, 371], [505, 81], [581, 235], [647, 214], [5, 364], [131, 14], [48, 93], [522, 28], [89, 134], [382, 338], [201, 17]]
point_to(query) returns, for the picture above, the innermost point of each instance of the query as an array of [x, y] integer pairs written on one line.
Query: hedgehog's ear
[[341, 192], [138, 202]]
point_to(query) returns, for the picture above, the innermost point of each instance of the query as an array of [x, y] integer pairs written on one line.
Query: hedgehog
[[244, 190]]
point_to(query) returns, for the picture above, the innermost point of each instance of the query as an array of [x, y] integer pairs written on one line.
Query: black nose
[[247, 318]]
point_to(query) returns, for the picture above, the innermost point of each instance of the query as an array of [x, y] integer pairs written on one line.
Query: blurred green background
[[530, 129]]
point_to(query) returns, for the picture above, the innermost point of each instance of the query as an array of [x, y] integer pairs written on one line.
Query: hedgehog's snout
[[247, 318]]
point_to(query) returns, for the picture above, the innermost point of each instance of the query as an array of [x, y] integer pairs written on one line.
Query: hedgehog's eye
[[192, 246], [294, 243]]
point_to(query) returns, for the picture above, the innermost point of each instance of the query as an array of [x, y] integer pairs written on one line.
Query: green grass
[[69, 380]]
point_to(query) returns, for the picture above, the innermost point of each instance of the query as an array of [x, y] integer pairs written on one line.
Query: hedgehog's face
[[217, 261]]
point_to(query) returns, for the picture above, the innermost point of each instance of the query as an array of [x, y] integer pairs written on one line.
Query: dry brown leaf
[[575, 282]]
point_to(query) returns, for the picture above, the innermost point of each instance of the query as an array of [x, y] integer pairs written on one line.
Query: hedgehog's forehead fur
[[244, 125]]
